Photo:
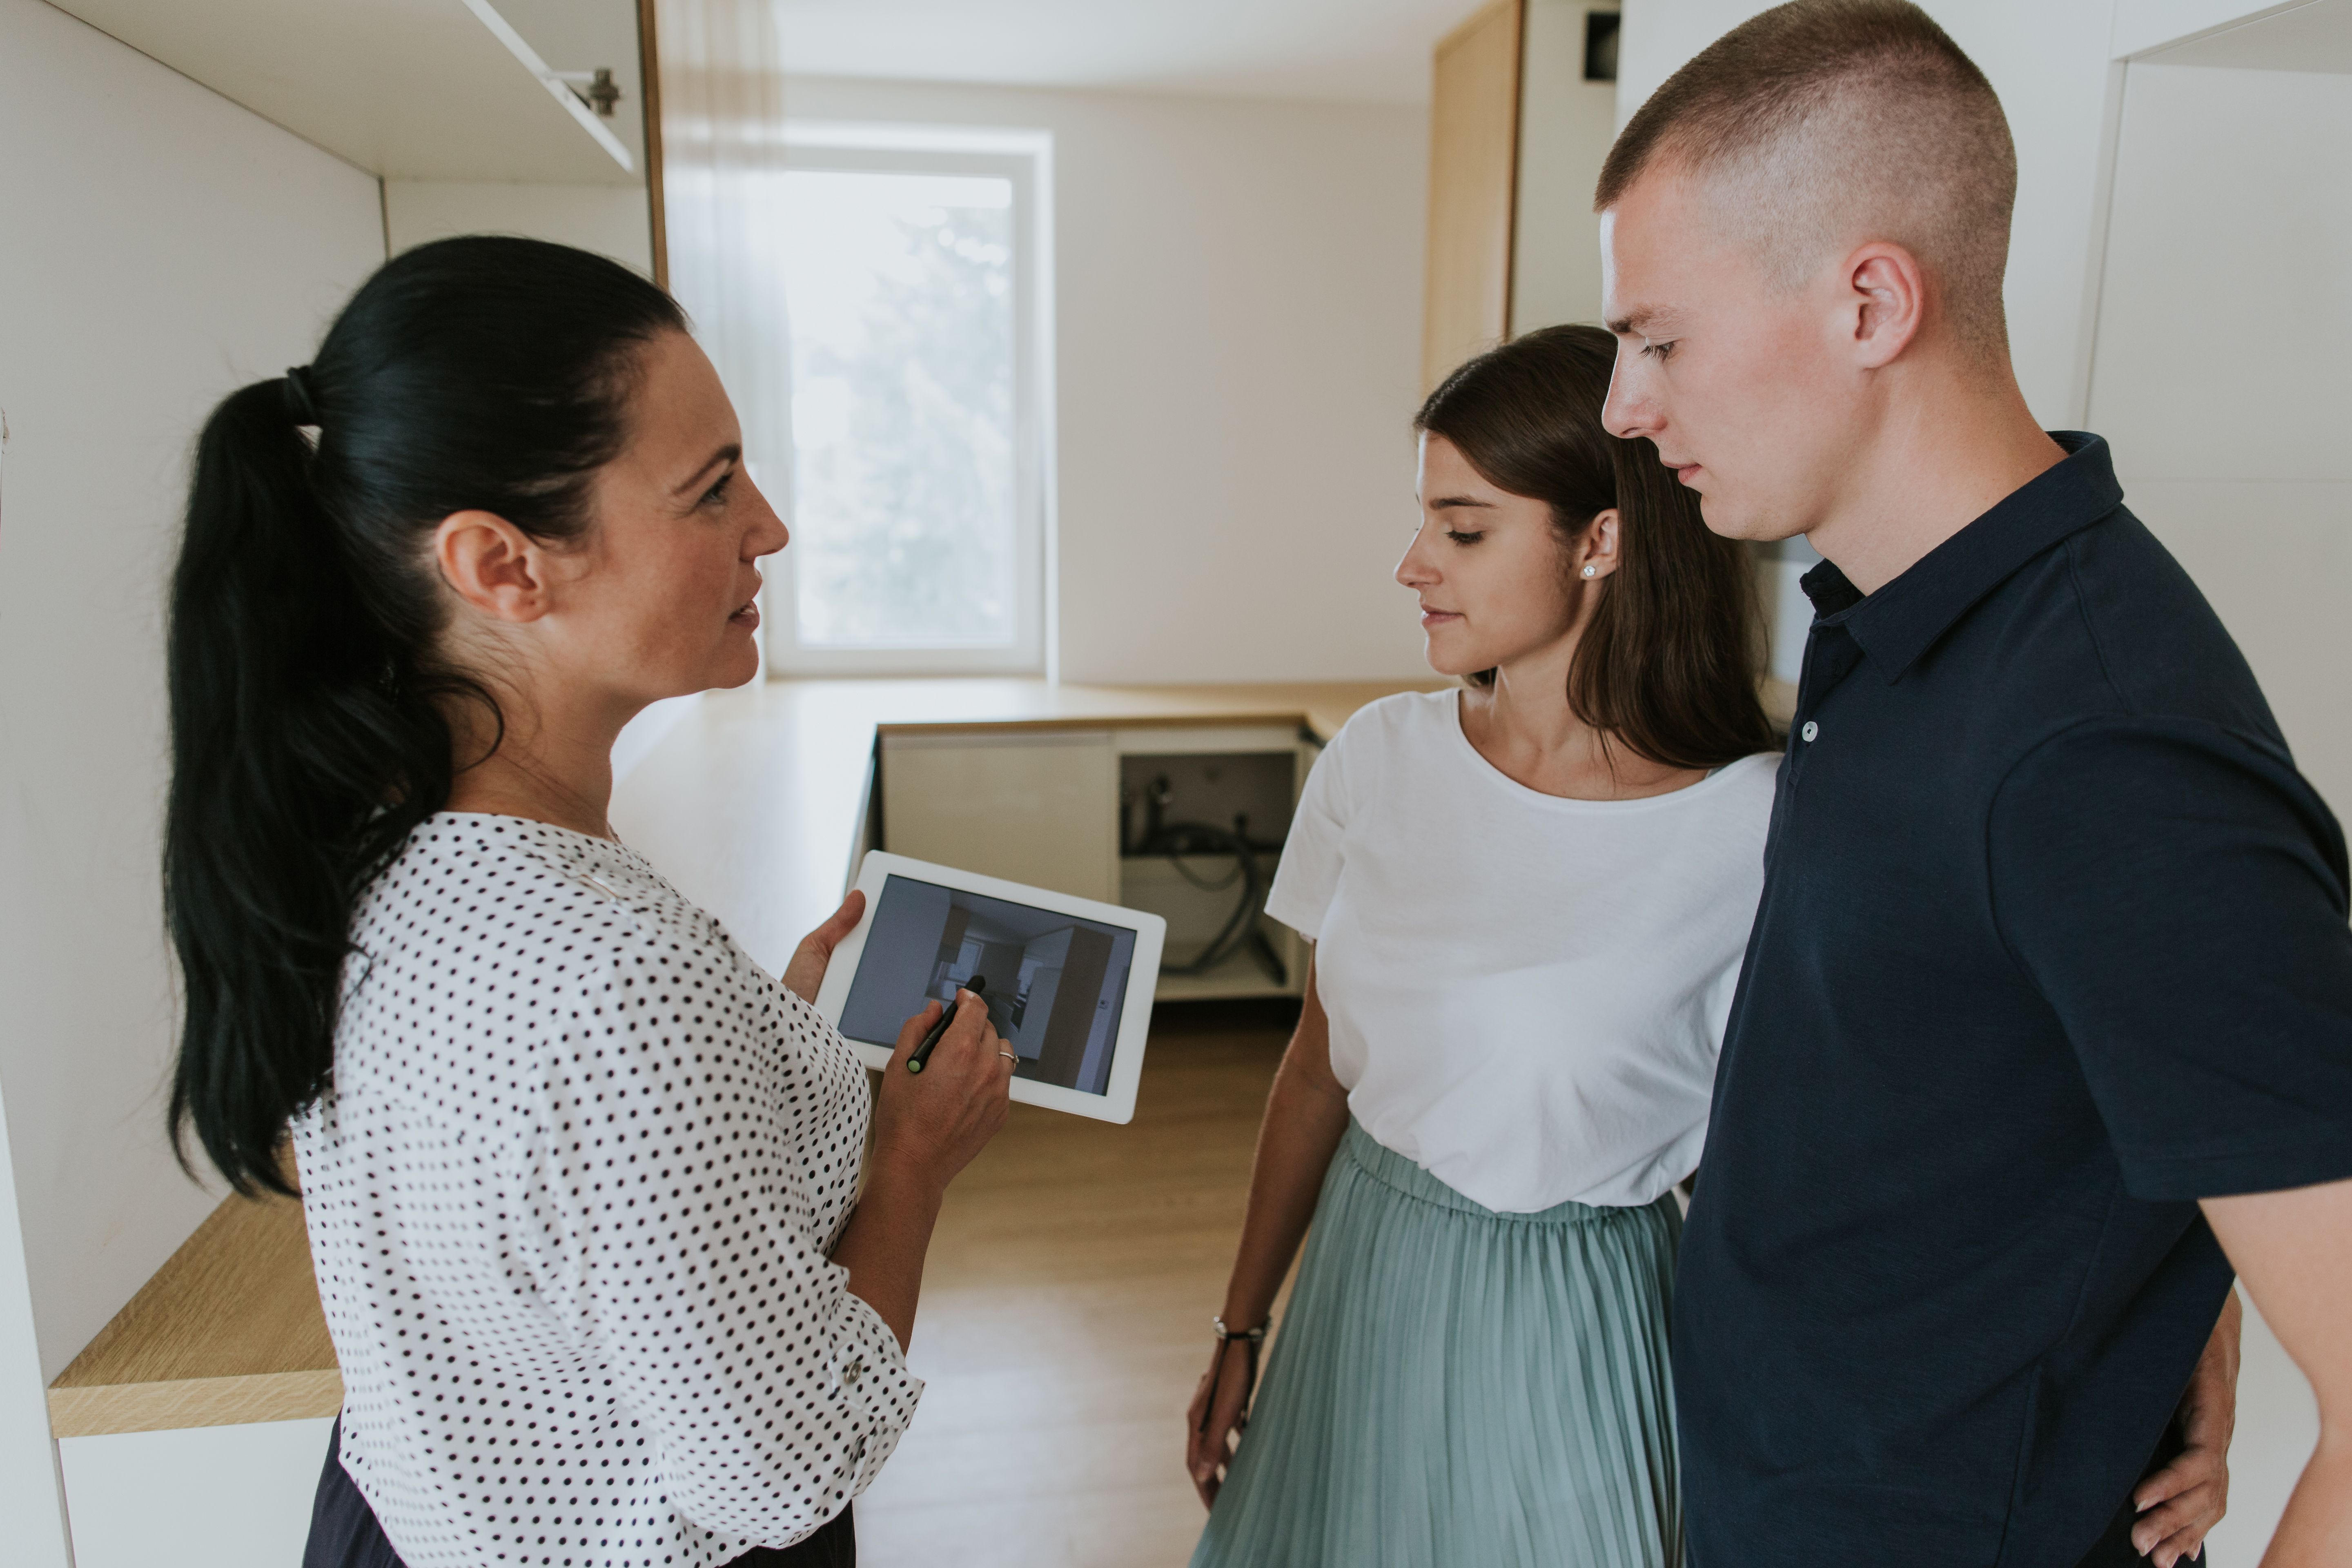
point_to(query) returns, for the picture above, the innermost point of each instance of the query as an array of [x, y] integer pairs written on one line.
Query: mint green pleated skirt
[[1457, 1388]]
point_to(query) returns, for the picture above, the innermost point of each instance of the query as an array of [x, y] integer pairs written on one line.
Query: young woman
[[1528, 898], [581, 1183]]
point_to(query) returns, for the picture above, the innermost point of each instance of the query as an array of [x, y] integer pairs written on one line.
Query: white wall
[[163, 247], [2048, 60], [32, 1502], [611, 220], [1238, 311], [1566, 124], [2224, 332]]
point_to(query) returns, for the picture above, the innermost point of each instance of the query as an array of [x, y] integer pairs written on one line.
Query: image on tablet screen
[[1056, 983]]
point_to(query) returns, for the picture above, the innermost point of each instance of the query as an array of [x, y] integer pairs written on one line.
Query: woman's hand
[[2182, 1501], [805, 974], [1213, 1425], [1305, 1117], [928, 1125]]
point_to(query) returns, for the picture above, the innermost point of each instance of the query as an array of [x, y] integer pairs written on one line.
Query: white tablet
[[1068, 980]]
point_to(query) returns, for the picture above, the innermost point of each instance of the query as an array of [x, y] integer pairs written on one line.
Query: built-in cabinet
[[1039, 806], [2231, 182], [531, 117], [1522, 110]]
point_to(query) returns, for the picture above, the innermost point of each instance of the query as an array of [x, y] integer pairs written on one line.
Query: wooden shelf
[[229, 1330]]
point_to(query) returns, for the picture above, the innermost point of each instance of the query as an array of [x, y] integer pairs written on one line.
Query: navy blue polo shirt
[[2053, 943]]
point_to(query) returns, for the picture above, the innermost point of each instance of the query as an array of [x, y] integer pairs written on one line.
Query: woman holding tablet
[[1529, 897], [581, 1183]]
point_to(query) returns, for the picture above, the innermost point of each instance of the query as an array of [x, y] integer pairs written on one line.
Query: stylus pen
[[977, 984]]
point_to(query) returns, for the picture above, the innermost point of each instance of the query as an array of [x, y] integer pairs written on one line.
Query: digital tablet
[[1069, 981]]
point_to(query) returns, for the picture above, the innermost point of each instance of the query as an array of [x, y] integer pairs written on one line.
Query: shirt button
[[1810, 730], [850, 1372]]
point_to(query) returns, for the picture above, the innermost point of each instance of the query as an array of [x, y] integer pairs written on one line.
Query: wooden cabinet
[[1474, 136], [1522, 112]]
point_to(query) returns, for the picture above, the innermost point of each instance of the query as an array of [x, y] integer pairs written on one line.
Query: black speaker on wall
[[1600, 46]]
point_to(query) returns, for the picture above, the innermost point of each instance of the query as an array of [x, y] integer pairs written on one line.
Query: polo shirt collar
[[1902, 621]]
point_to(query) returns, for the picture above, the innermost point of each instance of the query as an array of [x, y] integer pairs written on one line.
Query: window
[[919, 495]]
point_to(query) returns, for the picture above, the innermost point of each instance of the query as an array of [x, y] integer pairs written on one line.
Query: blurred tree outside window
[[901, 292]]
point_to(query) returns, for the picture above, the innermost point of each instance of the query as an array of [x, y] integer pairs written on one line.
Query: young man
[[2050, 985]]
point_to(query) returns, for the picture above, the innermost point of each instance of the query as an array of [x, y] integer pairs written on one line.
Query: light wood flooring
[[1064, 1318]]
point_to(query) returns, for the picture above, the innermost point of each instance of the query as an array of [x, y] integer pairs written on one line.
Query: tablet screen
[[1056, 984]]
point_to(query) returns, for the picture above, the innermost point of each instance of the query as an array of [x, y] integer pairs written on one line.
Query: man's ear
[[491, 564], [1886, 301]]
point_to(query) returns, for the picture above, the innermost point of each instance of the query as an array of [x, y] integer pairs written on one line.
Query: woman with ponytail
[[581, 1183], [1530, 897]]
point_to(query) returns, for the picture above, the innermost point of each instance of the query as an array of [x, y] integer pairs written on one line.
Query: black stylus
[[977, 986]]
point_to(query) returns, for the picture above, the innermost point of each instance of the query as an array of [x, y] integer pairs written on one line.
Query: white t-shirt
[[1526, 993]]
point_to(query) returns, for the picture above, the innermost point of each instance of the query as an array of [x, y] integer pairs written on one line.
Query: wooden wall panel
[[1473, 134]]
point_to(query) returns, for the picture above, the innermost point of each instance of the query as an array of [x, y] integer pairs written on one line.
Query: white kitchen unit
[[1151, 817], [1035, 805]]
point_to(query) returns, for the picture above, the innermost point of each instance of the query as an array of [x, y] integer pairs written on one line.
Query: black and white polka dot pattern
[[570, 1202]]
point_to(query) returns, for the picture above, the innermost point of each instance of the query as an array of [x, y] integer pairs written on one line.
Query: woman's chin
[[739, 665], [731, 666], [1453, 661]]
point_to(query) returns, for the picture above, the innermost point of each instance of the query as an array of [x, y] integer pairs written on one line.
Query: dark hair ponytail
[[1669, 663], [309, 727]]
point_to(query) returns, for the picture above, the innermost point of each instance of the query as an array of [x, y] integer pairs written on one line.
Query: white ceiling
[[1365, 51]]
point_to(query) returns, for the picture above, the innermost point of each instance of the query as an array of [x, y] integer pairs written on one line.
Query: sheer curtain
[[723, 133]]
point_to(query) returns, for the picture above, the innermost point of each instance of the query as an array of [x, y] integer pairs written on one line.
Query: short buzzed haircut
[[1825, 123]]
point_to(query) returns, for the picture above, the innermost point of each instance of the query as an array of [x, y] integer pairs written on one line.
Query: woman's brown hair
[[1669, 662]]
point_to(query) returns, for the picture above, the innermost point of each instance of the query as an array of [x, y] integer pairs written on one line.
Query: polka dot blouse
[[570, 1201]]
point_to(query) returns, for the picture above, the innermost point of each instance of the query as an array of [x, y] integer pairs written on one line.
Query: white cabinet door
[[1034, 806], [193, 1497]]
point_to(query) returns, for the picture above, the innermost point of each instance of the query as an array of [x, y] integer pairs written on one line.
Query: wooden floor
[[1065, 1320]]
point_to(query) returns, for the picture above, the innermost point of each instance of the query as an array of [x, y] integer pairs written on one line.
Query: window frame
[[1024, 159]]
